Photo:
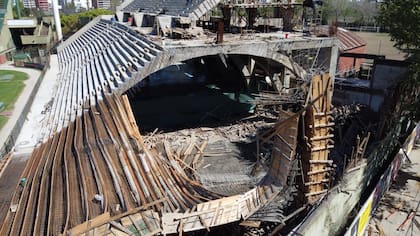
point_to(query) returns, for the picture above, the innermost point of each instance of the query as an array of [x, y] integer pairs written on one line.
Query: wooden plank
[[320, 148], [319, 182], [105, 218], [251, 223], [88, 225], [203, 222], [321, 161], [319, 171], [199, 154], [120, 227], [117, 232], [316, 193]]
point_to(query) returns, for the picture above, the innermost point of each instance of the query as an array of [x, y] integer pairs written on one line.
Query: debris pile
[[223, 159]]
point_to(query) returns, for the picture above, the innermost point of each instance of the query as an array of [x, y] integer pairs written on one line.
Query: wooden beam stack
[[318, 127]]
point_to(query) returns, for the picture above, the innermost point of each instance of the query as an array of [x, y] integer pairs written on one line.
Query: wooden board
[[284, 147]]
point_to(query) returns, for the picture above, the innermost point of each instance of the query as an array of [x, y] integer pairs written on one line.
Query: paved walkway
[[31, 134], [402, 198], [21, 101]]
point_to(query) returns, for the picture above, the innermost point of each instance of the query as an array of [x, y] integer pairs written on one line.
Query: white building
[[86, 4], [102, 4], [29, 3]]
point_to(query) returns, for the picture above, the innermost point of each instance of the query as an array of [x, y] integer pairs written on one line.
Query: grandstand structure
[[93, 173], [194, 8]]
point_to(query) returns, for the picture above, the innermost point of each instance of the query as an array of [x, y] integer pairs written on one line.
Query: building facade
[[6, 42], [42, 5], [29, 4], [101, 4]]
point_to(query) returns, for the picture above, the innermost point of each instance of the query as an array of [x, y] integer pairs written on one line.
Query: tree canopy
[[402, 18], [73, 22], [359, 12], [23, 11]]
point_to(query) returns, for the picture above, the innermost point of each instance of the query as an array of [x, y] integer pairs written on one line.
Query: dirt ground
[[380, 43]]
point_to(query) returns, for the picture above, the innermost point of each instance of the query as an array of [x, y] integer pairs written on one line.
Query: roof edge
[[82, 30]]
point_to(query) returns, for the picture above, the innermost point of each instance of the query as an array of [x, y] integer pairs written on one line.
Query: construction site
[[209, 117]]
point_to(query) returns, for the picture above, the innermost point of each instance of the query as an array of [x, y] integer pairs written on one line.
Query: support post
[[333, 66], [57, 20]]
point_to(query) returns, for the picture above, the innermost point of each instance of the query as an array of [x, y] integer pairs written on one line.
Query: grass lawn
[[380, 43], [3, 121], [11, 85]]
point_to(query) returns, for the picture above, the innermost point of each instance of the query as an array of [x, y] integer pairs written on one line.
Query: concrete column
[[57, 20], [333, 66], [138, 19], [286, 79], [277, 82], [120, 16], [193, 23]]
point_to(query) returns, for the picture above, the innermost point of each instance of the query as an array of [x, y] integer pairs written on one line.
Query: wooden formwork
[[318, 127], [284, 147]]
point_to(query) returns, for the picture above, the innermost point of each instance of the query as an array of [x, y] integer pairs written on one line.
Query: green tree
[[23, 11], [72, 22], [402, 18], [333, 9], [70, 5], [361, 12]]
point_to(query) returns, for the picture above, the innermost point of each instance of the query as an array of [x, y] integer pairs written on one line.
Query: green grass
[[380, 43], [10, 90], [3, 121]]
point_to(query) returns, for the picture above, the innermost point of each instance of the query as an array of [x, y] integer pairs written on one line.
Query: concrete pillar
[[138, 19], [277, 82], [57, 20], [286, 80], [193, 23], [333, 65], [250, 66], [120, 16]]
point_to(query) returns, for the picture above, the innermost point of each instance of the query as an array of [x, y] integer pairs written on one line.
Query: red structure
[[3, 58], [349, 42], [42, 5]]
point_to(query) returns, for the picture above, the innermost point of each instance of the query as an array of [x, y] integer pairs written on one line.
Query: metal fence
[[376, 29]]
